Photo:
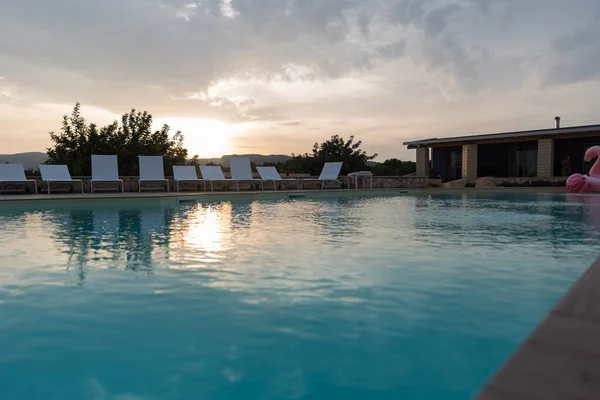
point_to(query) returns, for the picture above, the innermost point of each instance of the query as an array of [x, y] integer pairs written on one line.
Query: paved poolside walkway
[[561, 358]]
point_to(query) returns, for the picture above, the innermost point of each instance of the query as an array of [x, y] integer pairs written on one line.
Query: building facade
[[541, 153]]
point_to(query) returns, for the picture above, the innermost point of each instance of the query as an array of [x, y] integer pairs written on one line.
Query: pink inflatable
[[578, 183]]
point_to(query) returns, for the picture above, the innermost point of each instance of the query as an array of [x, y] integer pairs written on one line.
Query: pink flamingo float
[[578, 183]]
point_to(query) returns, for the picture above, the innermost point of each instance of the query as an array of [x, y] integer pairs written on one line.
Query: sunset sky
[[275, 76]]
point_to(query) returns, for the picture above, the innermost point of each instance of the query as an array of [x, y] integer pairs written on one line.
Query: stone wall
[[423, 162], [469, 162], [555, 181], [389, 182], [130, 184], [545, 161]]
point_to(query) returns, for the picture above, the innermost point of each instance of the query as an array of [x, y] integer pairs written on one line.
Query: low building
[[542, 153]]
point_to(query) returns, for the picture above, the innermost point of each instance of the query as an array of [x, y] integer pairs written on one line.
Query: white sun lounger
[[213, 173], [330, 173], [152, 169], [271, 174], [186, 173], [105, 169], [15, 173], [241, 170], [57, 173]]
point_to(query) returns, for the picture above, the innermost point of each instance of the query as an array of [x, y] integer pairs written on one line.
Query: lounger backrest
[[55, 172], [241, 170], [268, 173], [105, 167], [12, 173], [331, 170], [212, 173], [151, 167], [184, 173]]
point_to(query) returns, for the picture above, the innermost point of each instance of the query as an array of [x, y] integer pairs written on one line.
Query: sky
[[276, 76]]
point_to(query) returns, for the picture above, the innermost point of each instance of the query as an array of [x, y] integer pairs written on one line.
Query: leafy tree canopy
[[338, 149], [133, 137], [394, 167], [348, 151]]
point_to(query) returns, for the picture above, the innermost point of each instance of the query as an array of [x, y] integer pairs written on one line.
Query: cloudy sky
[[274, 76]]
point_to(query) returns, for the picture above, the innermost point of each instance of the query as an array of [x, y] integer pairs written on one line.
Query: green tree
[[77, 141], [394, 167], [334, 149], [338, 149]]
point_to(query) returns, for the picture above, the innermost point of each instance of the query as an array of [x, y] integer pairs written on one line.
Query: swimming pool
[[392, 297]]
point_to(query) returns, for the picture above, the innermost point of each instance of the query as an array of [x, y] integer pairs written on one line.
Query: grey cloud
[[406, 12], [436, 20], [291, 123], [577, 56], [364, 21], [438, 48], [265, 113], [393, 50], [168, 44], [153, 54]]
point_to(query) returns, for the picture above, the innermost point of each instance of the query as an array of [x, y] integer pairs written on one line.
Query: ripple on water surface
[[354, 298]]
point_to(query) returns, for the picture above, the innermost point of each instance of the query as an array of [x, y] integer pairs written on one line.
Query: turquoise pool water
[[398, 297]]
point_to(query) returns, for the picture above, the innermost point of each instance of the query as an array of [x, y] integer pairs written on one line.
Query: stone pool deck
[[561, 358]]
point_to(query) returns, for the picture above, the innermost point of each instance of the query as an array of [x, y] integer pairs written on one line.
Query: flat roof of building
[[506, 136]]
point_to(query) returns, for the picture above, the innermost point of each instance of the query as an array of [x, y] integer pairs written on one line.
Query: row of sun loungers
[[105, 170]]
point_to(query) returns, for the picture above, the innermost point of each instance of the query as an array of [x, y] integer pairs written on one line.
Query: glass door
[[523, 161], [455, 165]]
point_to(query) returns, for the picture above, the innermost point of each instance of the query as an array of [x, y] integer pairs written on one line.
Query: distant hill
[[255, 158], [31, 160]]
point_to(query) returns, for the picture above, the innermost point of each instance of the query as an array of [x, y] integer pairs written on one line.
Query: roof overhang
[[587, 130]]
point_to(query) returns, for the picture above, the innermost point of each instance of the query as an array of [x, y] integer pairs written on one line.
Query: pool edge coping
[[22, 198], [561, 357]]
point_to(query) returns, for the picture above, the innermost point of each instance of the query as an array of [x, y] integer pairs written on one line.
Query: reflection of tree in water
[[111, 238]]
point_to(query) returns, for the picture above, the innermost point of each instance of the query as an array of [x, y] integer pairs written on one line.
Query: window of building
[[523, 161], [455, 165]]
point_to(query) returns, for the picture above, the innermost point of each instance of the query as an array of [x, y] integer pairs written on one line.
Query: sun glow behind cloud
[[206, 137], [277, 76]]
